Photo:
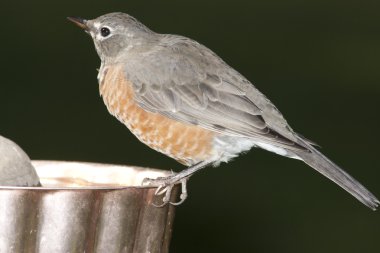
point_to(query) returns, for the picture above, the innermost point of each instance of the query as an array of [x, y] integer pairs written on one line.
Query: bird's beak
[[82, 23]]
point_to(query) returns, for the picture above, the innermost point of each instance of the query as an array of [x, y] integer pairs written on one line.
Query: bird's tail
[[326, 167]]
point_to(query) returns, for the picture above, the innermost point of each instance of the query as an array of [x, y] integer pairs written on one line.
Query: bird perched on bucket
[[181, 99]]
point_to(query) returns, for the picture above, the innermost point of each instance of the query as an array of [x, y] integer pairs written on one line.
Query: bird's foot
[[165, 186]]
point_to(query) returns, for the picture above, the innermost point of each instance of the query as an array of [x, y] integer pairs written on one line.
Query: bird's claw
[[165, 186]]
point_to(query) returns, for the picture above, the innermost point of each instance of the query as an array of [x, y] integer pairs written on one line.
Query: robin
[[181, 99]]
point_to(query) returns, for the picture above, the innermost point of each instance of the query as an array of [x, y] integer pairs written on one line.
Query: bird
[[180, 98]]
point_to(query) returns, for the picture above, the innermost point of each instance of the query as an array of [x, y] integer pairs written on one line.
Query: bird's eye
[[104, 31]]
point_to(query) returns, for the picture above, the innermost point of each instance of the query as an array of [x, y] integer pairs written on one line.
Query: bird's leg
[[166, 184]]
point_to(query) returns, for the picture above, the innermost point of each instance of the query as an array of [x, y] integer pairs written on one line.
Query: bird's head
[[115, 33]]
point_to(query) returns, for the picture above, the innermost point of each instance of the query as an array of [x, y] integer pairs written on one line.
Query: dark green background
[[317, 60]]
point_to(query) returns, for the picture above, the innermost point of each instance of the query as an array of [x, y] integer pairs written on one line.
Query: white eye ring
[[105, 31]]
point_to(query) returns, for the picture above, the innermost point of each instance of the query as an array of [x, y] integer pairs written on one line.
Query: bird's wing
[[185, 81]]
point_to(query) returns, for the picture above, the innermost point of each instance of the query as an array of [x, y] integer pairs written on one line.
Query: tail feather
[[326, 167]]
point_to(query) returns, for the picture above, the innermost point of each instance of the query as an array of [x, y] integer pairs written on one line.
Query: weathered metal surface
[[97, 213]]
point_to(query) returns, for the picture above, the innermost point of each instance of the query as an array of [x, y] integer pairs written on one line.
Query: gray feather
[[206, 89], [326, 167]]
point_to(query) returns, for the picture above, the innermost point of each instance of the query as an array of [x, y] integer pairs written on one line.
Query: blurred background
[[318, 61]]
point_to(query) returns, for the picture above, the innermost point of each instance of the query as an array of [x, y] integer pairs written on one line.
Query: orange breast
[[186, 143]]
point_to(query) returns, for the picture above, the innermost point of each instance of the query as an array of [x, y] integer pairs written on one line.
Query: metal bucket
[[85, 207]]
